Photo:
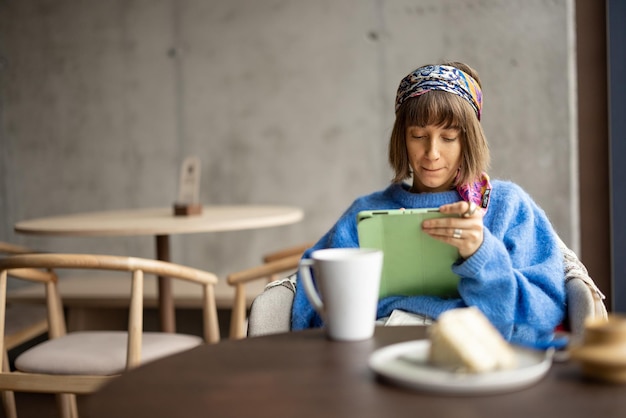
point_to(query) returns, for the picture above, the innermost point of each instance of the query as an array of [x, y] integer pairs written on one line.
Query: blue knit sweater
[[515, 278]]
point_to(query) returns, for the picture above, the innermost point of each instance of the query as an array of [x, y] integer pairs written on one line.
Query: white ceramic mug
[[348, 280]]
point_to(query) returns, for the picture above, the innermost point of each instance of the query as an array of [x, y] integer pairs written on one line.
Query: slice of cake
[[464, 340]]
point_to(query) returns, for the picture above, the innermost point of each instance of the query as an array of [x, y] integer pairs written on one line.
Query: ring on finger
[[457, 233], [471, 210]]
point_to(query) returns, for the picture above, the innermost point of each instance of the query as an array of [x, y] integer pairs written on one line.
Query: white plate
[[406, 364]]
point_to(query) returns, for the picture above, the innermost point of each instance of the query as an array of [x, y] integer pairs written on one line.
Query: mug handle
[[309, 287]]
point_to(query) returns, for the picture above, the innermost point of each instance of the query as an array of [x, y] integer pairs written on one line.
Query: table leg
[[167, 313]]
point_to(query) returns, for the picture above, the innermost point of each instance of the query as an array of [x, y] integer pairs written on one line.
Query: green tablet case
[[414, 263]]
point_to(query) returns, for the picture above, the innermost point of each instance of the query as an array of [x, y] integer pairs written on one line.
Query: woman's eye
[[449, 139]]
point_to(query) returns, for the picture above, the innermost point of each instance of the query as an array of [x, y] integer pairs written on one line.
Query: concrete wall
[[285, 102]]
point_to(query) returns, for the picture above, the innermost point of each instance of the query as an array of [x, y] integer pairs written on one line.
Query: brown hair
[[442, 109]]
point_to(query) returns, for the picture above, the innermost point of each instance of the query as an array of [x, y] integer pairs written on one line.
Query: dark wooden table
[[302, 374]]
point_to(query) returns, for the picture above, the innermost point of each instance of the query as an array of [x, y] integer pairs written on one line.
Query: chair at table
[[271, 310], [274, 264], [80, 362]]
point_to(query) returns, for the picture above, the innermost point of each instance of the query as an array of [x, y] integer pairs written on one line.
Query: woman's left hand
[[465, 232]]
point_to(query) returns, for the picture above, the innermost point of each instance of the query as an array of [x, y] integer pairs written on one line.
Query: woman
[[510, 264]]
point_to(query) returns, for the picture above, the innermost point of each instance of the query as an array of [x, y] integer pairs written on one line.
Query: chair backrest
[[26, 267]]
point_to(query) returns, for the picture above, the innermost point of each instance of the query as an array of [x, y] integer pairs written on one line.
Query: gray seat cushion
[[270, 312], [98, 352]]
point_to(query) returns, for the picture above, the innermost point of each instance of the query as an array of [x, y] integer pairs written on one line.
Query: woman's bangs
[[436, 108]]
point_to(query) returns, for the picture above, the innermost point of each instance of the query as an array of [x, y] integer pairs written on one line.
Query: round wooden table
[[303, 374], [162, 223]]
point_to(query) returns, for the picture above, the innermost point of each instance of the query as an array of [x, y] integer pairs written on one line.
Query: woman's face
[[434, 156]]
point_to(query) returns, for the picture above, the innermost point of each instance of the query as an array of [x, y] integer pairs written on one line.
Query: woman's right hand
[[464, 231]]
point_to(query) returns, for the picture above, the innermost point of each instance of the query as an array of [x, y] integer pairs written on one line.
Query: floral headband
[[444, 78]]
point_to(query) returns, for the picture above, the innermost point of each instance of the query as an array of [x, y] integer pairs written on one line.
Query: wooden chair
[[274, 264], [81, 362]]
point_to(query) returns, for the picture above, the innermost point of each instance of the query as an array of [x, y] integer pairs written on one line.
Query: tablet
[[414, 263]]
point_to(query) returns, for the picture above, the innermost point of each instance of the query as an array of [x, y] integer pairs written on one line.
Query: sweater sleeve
[[516, 276]]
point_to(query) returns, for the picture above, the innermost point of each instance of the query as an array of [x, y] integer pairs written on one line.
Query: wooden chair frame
[[38, 268]]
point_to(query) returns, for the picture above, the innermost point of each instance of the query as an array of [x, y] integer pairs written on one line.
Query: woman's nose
[[432, 152]]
